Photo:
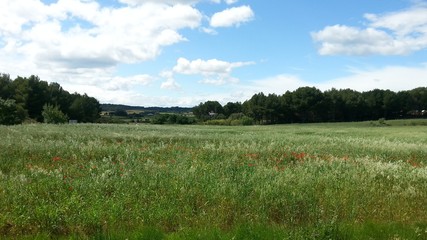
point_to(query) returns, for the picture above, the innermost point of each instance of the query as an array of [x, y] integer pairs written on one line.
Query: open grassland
[[314, 181]]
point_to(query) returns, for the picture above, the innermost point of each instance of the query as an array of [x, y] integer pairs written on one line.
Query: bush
[[10, 112], [246, 121], [171, 119], [236, 116], [121, 113], [52, 114]]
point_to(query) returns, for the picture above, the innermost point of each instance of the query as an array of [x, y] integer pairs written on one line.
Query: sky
[[183, 52]]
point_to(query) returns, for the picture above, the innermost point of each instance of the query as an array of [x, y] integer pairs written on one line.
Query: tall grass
[[317, 181]]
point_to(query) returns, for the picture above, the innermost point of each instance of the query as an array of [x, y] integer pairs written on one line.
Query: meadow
[[299, 181]]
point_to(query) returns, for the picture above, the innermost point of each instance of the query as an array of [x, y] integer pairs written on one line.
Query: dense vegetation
[[308, 104], [27, 98], [312, 181]]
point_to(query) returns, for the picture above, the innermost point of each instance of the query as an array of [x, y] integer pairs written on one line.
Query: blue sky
[[183, 52]]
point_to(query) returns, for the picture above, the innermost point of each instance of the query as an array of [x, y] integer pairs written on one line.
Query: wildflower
[[298, 155], [413, 163], [55, 159]]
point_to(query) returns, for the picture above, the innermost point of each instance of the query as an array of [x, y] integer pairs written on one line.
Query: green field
[[308, 181]]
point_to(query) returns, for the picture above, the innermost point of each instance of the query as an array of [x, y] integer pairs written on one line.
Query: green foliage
[[171, 119], [85, 109], [52, 114], [234, 119], [232, 108], [308, 105], [246, 121], [32, 94], [10, 112], [150, 233], [208, 110], [120, 112]]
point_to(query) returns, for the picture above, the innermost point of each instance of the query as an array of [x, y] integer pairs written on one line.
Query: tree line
[[309, 104], [32, 99]]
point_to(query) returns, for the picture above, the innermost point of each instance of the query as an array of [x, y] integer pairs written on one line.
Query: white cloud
[[79, 43], [209, 31], [74, 33], [395, 78], [171, 2], [207, 67], [215, 72], [232, 17], [231, 1], [125, 83], [222, 80], [170, 82], [340, 39], [277, 84], [396, 33]]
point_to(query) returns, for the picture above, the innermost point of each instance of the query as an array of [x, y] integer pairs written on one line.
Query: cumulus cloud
[[170, 82], [396, 33], [214, 71], [232, 17], [76, 32], [206, 67], [79, 43]]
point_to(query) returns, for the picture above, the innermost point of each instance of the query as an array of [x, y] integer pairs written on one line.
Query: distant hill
[[114, 107]]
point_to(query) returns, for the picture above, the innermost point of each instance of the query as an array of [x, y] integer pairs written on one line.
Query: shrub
[[171, 119], [52, 114], [236, 116], [10, 112], [246, 121]]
